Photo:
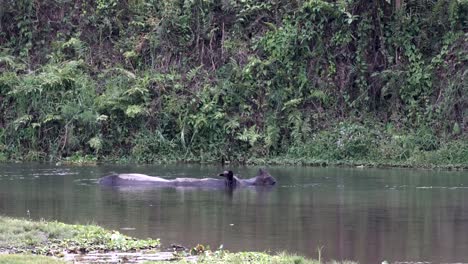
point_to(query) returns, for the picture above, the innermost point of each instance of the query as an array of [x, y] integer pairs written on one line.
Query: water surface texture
[[368, 215]]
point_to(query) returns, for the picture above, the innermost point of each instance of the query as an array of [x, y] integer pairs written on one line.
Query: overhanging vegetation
[[155, 81]]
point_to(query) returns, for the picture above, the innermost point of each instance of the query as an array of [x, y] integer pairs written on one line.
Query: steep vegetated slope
[[237, 80]]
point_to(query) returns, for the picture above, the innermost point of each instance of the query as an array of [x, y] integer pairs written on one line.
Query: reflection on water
[[367, 215]]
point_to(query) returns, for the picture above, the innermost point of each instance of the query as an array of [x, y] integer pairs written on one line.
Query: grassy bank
[[367, 144], [63, 241], [375, 145], [54, 238]]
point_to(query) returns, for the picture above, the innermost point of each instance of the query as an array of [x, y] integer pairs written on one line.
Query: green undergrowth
[[367, 144], [374, 145], [54, 238]]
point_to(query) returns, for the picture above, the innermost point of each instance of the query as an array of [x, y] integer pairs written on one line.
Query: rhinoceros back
[[109, 180], [132, 179]]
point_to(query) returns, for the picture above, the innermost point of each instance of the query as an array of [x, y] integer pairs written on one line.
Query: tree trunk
[[398, 4], [2, 11]]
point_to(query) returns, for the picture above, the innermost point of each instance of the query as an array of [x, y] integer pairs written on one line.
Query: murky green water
[[367, 215]]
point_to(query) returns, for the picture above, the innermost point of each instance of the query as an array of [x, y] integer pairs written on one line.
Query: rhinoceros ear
[[262, 172], [228, 174]]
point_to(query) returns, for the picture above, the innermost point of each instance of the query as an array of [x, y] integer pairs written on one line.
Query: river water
[[366, 215]]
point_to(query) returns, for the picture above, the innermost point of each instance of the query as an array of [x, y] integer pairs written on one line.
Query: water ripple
[[307, 185], [442, 187], [86, 182]]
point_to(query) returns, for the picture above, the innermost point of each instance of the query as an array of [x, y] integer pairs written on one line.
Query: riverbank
[[345, 144], [370, 83], [25, 241]]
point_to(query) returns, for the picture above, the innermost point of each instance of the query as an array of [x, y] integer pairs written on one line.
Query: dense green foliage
[[237, 80]]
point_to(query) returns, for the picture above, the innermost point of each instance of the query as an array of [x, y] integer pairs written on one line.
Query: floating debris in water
[[395, 187], [85, 182], [307, 185], [127, 228], [177, 247], [442, 187]]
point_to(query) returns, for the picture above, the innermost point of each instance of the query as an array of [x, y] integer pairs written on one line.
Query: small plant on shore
[[198, 250], [91, 238]]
